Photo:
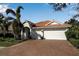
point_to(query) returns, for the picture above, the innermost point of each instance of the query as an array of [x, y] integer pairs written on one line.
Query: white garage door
[[55, 34]]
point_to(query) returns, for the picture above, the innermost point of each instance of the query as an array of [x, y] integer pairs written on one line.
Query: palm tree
[[17, 25], [4, 23]]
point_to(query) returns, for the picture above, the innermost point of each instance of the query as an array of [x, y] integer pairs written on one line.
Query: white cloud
[[3, 7]]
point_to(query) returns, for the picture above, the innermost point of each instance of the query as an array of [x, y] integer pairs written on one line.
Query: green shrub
[[74, 42], [5, 42]]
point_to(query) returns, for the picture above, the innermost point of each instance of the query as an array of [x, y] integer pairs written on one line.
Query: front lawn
[[5, 42], [75, 42]]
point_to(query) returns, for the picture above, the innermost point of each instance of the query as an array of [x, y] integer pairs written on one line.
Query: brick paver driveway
[[40, 48]]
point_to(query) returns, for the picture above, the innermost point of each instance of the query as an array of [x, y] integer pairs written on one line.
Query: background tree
[[59, 6], [73, 31]]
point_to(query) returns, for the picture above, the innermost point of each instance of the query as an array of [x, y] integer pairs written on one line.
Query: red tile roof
[[42, 23], [49, 23]]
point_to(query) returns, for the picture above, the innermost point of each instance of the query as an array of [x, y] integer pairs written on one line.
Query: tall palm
[[17, 25]]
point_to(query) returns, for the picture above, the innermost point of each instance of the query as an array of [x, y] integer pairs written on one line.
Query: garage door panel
[[55, 35]]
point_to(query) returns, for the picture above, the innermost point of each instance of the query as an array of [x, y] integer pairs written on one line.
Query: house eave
[[53, 26], [49, 27]]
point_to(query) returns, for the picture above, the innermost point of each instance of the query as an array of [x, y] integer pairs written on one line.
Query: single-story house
[[48, 30]]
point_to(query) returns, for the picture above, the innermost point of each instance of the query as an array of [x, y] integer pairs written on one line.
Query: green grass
[[75, 42], [5, 42]]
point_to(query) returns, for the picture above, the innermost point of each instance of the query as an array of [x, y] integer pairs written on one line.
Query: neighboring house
[[49, 29]]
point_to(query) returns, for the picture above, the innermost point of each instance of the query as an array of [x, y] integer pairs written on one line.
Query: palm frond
[[9, 18], [19, 8], [76, 16], [1, 20], [10, 11], [59, 6], [1, 15]]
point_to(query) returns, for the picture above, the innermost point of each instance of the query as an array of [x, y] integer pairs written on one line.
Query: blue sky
[[36, 12]]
